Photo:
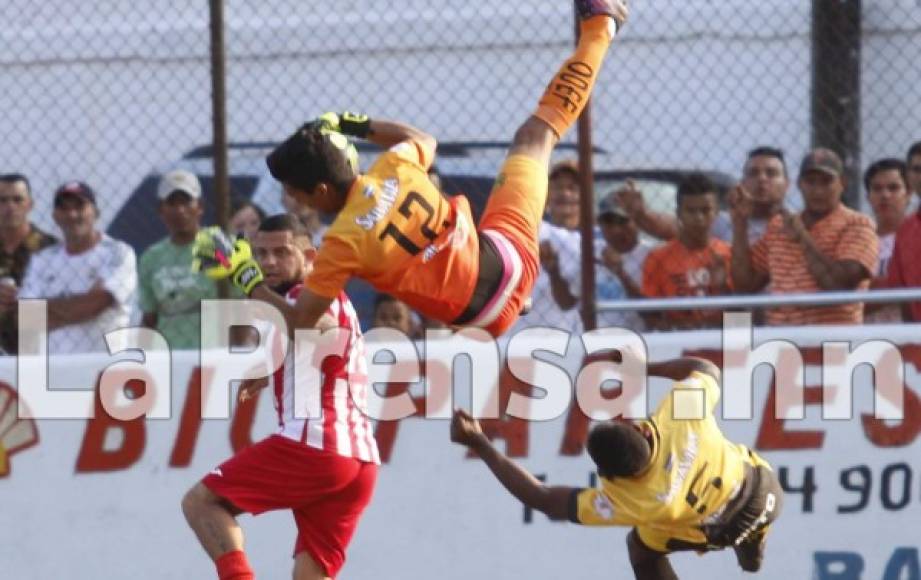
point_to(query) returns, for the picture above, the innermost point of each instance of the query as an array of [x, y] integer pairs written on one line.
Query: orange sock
[[233, 566], [565, 97]]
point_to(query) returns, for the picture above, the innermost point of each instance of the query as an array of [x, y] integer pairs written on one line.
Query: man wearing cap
[[622, 257], [826, 247], [89, 280], [170, 292], [19, 240]]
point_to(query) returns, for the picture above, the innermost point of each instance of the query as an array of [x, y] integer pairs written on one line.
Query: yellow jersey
[[693, 473]]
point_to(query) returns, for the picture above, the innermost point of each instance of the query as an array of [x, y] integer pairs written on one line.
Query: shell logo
[[16, 433]]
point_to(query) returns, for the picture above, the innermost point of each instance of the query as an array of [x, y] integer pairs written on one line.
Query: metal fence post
[[586, 212], [836, 41], [219, 121]]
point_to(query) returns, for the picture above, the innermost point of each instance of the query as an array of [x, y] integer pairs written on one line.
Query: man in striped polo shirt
[[323, 469], [827, 246]]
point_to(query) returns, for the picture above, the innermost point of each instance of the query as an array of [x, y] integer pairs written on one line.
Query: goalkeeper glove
[[218, 257], [330, 125], [354, 124]]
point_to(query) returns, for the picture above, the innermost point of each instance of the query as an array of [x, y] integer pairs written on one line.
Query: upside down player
[[679, 482], [322, 469], [395, 229]]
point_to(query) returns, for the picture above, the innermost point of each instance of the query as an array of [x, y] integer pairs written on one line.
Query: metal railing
[[762, 300]]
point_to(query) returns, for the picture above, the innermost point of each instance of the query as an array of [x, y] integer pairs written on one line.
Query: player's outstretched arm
[[681, 368], [221, 258], [379, 131], [308, 312], [675, 369], [390, 133], [553, 501]]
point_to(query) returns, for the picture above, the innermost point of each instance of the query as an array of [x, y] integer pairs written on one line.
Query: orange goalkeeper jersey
[[398, 232]]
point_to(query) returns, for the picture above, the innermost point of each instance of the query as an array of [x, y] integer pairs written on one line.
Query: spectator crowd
[[93, 283], [757, 245]]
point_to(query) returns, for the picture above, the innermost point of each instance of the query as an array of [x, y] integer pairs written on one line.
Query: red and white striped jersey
[[330, 409]]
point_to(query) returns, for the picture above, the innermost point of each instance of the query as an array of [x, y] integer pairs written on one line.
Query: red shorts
[[326, 492]]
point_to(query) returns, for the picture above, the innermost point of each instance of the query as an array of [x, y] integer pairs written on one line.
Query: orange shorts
[[512, 220]]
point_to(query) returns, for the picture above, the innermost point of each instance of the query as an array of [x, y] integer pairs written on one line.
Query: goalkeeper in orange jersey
[[674, 478], [395, 229]]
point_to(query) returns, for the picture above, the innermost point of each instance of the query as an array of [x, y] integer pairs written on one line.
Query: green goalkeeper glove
[[354, 124], [218, 257]]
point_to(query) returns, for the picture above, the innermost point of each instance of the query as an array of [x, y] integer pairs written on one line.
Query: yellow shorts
[[658, 540], [661, 539]]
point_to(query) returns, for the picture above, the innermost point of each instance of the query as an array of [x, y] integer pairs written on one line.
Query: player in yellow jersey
[[394, 228], [674, 478]]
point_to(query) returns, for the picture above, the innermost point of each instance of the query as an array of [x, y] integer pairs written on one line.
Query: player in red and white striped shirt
[[344, 427], [322, 461]]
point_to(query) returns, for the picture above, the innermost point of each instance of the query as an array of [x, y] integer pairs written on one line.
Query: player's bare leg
[[213, 520], [535, 139], [306, 569], [648, 564]]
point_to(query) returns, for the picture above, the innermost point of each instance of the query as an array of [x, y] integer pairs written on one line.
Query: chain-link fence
[[118, 94]]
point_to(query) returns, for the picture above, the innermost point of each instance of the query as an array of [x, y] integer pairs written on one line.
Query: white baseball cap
[[179, 180]]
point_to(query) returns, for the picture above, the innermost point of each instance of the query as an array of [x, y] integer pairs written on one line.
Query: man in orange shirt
[[693, 264], [396, 230], [826, 247]]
